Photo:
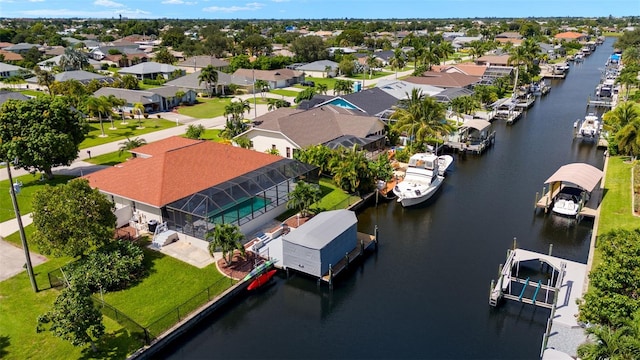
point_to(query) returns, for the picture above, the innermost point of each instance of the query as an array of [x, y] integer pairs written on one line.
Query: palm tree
[[261, 85], [233, 128], [445, 50], [209, 76], [628, 139], [130, 144], [477, 49], [303, 196], [228, 238], [397, 61], [322, 88], [73, 59], [351, 170], [96, 106], [273, 104], [45, 78], [430, 58], [628, 79], [138, 108], [624, 114], [631, 56], [424, 120], [372, 63], [608, 343]]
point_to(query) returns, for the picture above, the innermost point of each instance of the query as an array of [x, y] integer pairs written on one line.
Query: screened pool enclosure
[[239, 200]]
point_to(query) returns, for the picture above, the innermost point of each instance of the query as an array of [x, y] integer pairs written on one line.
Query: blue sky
[[314, 9]]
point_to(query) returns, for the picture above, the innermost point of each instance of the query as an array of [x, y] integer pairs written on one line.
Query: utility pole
[[255, 107], [23, 237]]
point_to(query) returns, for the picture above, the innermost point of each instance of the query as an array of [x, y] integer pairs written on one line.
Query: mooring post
[[535, 203], [330, 275], [375, 236], [515, 241], [346, 257], [361, 246], [550, 249]]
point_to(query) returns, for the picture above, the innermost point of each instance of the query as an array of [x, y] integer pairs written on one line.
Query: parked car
[[308, 83]]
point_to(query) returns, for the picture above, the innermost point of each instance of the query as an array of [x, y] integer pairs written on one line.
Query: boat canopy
[[477, 124], [580, 174]]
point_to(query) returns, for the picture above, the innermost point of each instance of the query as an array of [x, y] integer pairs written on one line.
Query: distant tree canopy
[[309, 49], [628, 39]]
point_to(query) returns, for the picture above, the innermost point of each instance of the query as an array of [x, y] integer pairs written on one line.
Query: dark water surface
[[424, 294]]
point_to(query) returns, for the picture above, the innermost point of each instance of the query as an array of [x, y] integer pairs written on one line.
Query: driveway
[[12, 260]]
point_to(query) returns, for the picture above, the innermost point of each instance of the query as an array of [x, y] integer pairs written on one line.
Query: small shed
[[321, 241]]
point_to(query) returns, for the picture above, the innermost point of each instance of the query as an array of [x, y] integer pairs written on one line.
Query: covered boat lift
[[474, 135], [581, 175]]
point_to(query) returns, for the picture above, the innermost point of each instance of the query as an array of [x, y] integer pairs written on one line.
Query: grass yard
[[148, 301], [281, 92], [332, 198], [30, 183], [212, 134], [110, 159], [123, 131], [616, 209], [33, 93], [205, 108], [330, 82], [376, 75]]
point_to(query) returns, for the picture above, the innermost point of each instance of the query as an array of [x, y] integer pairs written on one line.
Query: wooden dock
[[365, 242]]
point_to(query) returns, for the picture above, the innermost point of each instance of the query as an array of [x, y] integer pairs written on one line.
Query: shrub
[[194, 131], [114, 267]]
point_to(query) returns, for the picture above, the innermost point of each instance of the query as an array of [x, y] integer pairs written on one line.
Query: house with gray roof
[[82, 76], [196, 63], [276, 79], [6, 95], [402, 89], [150, 70], [154, 100], [372, 102], [192, 81], [319, 68], [21, 47], [55, 61], [288, 129], [8, 70]]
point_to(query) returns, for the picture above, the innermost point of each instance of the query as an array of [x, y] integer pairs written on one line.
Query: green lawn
[[290, 93], [616, 208], [205, 108], [332, 198], [376, 75], [212, 134], [33, 93], [109, 159], [145, 303], [123, 131], [30, 183], [330, 82], [156, 295]]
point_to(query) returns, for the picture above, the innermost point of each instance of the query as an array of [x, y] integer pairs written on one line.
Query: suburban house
[[196, 63], [451, 93], [463, 68], [151, 70], [21, 48], [384, 57], [6, 95], [192, 81], [49, 64], [463, 41], [499, 60], [82, 76], [552, 51], [319, 68], [288, 130], [372, 102], [401, 89], [10, 56], [8, 70], [444, 79], [119, 56], [192, 185], [276, 79], [154, 100], [571, 36]]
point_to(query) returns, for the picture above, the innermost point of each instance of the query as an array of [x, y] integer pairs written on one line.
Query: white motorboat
[[422, 179], [567, 202], [589, 127]]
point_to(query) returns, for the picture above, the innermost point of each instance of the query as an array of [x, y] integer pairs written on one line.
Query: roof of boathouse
[[581, 174]]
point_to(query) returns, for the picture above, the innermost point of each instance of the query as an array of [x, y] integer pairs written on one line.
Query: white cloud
[[178, 2], [66, 13], [107, 3], [229, 9], [36, 1], [280, 1]]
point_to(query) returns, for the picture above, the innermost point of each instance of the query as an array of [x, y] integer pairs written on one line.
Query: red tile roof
[[569, 35], [161, 147], [11, 56], [178, 172], [464, 68]]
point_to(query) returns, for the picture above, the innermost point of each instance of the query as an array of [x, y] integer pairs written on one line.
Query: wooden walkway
[[365, 241]]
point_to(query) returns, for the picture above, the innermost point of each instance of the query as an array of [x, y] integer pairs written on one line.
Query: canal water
[[424, 294]]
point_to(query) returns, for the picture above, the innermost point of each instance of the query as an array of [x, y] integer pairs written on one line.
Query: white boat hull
[[565, 207], [410, 194]]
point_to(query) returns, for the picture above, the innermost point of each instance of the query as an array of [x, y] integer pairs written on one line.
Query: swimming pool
[[233, 212]]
